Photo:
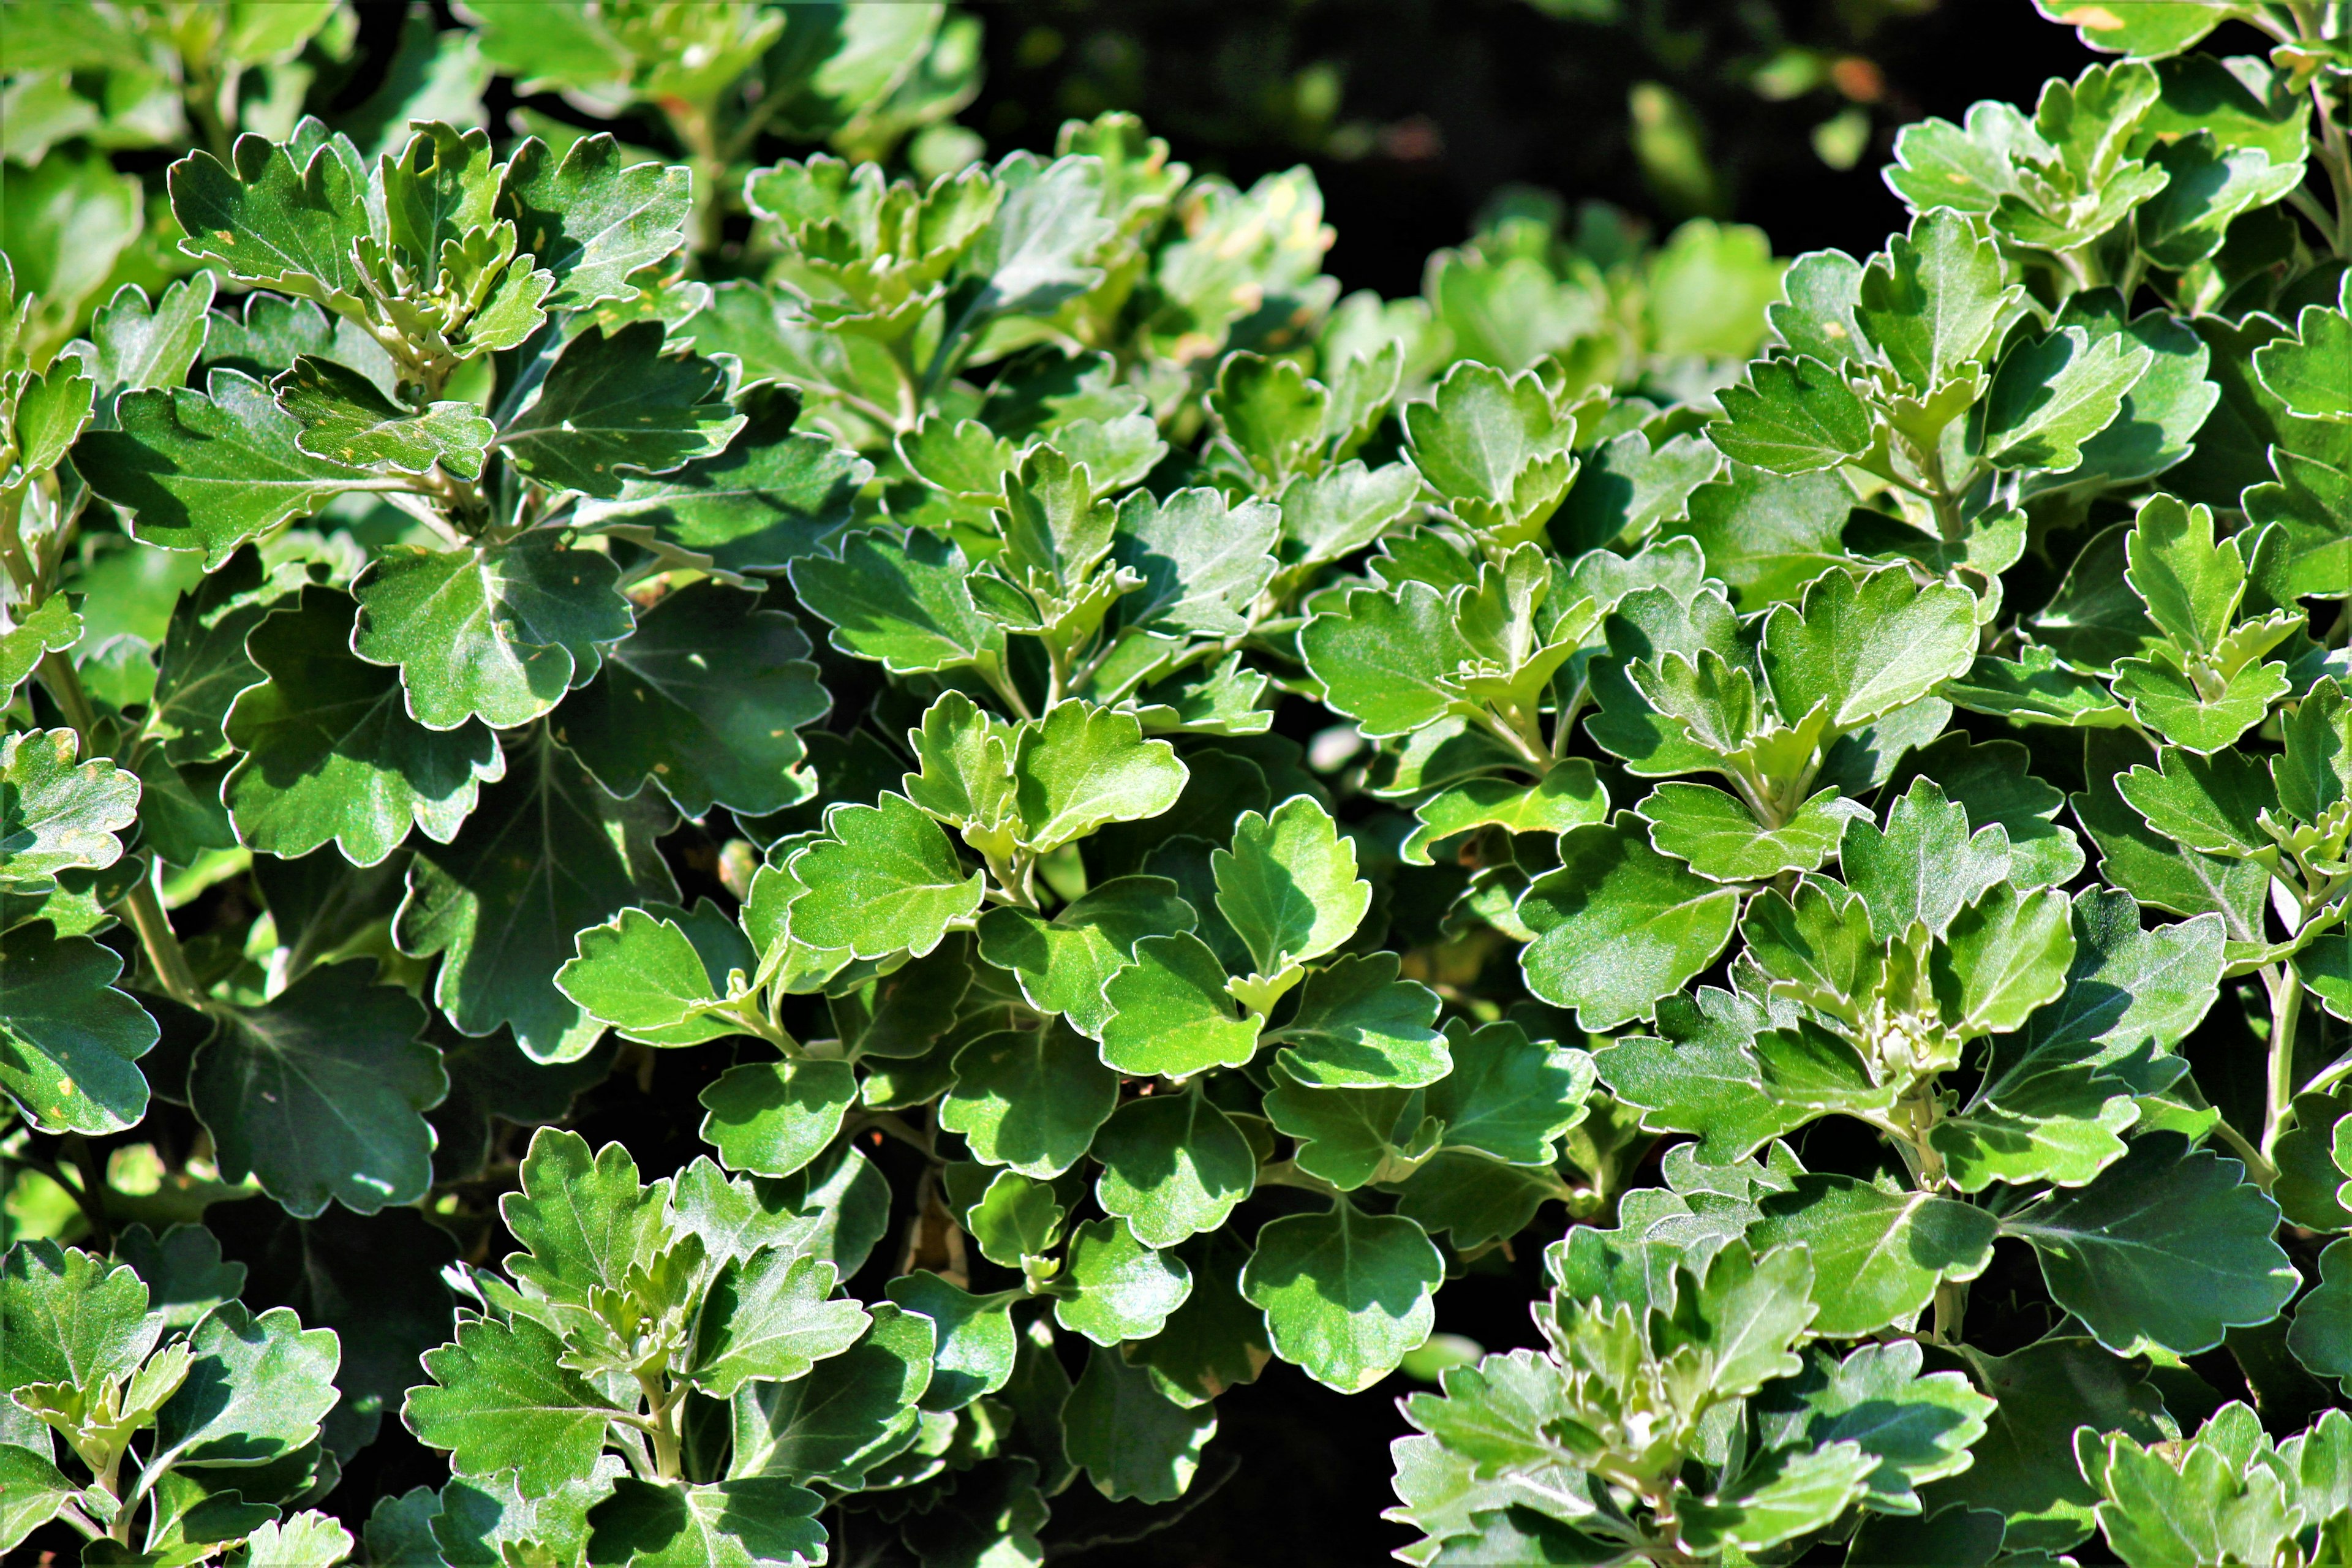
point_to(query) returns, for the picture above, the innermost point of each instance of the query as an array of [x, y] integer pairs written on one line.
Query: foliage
[[1156, 816]]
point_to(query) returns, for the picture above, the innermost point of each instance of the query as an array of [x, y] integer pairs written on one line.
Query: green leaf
[[1878, 1256], [1481, 440], [501, 1400], [770, 1318], [1115, 1288], [703, 699], [1792, 417], [1387, 659], [908, 606], [1171, 1014], [616, 404], [134, 345], [883, 879], [1721, 838], [2307, 372], [58, 815], [1620, 925], [2211, 803], [345, 419], [853, 1411], [1082, 766], [743, 1523], [1061, 964], [2169, 1247], [497, 632], [1570, 795], [1925, 867], [2002, 958], [1918, 1428], [1358, 1026], [1173, 1166], [1201, 561], [184, 1271], [330, 752], [52, 628], [1935, 300], [771, 1119], [272, 223], [2053, 394], [1016, 1219], [32, 1490], [255, 1389], [2143, 29], [1030, 1098], [1345, 1294], [976, 1343], [1507, 1095], [208, 470], [1779, 1496], [320, 1093], [641, 972], [584, 1218], [1734, 1085], [1767, 535], [546, 854], [1288, 886], [1861, 646], [1127, 1437], [2320, 1337], [2024, 1463], [73, 1317], [68, 1037], [588, 219], [2208, 1500], [774, 496]]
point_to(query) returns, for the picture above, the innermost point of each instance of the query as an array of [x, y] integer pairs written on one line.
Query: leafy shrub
[[1158, 814]]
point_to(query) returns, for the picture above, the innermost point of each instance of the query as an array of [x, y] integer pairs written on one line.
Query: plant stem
[[165, 955], [664, 1430], [2286, 1010]]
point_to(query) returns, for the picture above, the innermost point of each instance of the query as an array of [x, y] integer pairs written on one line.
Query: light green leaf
[[883, 879], [2308, 371], [1918, 1428], [345, 419], [2002, 958], [1877, 1255], [208, 470], [1387, 659], [135, 345], [1345, 1294], [745, 1523], [1030, 1098], [58, 815], [73, 1317], [1201, 561], [2053, 394], [331, 753], [1792, 417], [774, 496], [2210, 1500], [1507, 1095], [704, 699], [1780, 1494], [546, 854], [1936, 301], [1126, 1435], [1082, 766], [320, 1093], [497, 632], [1925, 867], [2143, 29], [1570, 795], [1173, 1166], [976, 1343], [256, 1389], [1288, 886], [1171, 1014], [771, 1119], [588, 219], [68, 1037], [1864, 646], [1767, 535], [640, 973], [618, 404], [853, 1411], [2169, 1247], [1620, 925], [32, 1490], [770, 1318], [1115, 1288], [52, 628], [1352, 1136], [1721, 838], [501, 1400], [1061, 964], [1358, 1026], [908, 606], [272, 223]]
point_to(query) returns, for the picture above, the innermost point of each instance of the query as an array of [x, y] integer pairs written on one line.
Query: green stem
[[2286, 1010], [2261, 1170], [664, 1430]]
